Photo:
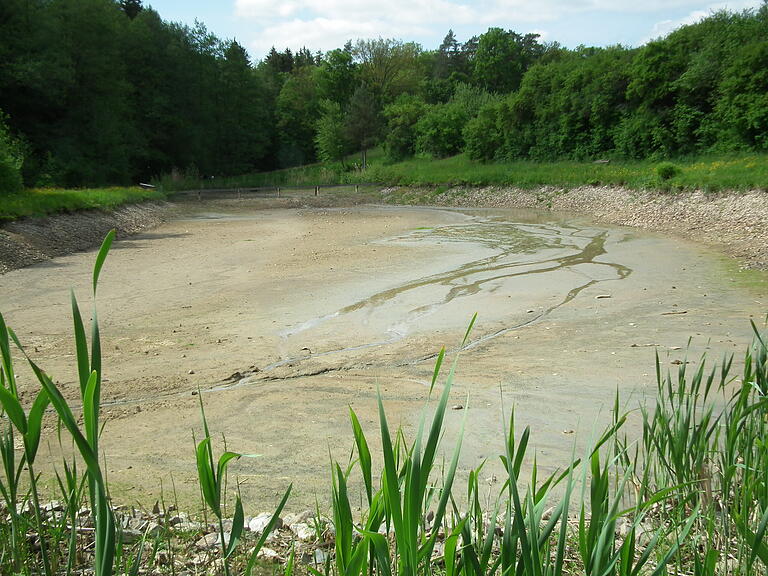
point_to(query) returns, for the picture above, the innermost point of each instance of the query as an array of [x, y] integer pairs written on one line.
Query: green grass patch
[[739, 172], [45, 201]]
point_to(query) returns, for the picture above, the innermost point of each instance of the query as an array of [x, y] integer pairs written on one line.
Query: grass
[[688, 496], [711, 173], [46, 201]]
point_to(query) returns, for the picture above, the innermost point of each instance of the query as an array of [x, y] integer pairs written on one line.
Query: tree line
[[96, 92]]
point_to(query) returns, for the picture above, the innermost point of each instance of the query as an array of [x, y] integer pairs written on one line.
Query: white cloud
[[327, 24], [664, 27]]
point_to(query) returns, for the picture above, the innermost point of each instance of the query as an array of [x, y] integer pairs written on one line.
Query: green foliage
[[440, 131], [402, 117], [43, 201], [10, 161], [483, 137], [337, 76], [667, 170], [102, 92], [502, 58], [363, 123], [331, 139], [297, 111]]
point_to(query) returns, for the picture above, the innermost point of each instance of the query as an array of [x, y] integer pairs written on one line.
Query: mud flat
[[283, 318]]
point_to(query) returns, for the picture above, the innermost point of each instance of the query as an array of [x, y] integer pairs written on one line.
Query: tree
[[388, 67], [337, 75], [362, 121], [243, 134], [502, 58], [297, 112], [131, 7], [331, 138], [402, 117]]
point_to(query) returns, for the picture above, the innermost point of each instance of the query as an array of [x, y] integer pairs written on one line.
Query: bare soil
[[283, 318]]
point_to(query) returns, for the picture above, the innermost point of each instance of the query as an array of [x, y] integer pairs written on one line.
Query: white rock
[[208, 541], [130, 536], [268, 555], [54, 506], [303, 532], [299, 517], [259, 524], [320, 557]]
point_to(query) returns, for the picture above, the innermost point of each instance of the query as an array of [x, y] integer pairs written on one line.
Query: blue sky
[[327, 24]]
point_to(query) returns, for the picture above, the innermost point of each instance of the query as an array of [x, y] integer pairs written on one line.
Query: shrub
[[667, 170]]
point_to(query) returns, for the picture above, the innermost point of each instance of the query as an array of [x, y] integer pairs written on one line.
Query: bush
[[402, 117], [482, 136], [667, 170]]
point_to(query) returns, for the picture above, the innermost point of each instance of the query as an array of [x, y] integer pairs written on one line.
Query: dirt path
[[285, 317]]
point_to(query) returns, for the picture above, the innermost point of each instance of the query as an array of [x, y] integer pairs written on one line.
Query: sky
[[327, 24]]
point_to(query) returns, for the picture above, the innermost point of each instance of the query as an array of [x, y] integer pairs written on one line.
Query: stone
[[299, 517], [130, 536], [53, 506], [260, 522], [320, 556], [268, 555], [208, 541], [304, 532]]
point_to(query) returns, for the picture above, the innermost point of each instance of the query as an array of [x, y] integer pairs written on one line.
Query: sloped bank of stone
[[735, 222], [32, 240]]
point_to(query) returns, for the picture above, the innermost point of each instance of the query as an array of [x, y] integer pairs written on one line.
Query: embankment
[[32, 240]]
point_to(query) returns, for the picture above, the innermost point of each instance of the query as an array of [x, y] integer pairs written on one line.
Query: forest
[[104, 92]]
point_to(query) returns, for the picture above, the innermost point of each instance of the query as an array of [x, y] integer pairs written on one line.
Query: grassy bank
[[687, 496], [45, 201], [712, 173]]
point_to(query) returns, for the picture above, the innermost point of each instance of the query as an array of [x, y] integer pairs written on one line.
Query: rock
[[163, 558], [130, 536], [457, 407], [188, 526], [191, 372], [289, 519], [53, 506], [198, 559], [303, 532], [623, 527], [178, 519], [259, 524], [320, 557], [644, 533], [208, 541], [267, 554]]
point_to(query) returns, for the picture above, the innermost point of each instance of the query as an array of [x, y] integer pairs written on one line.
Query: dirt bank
[[735, 222], [32, 240]]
